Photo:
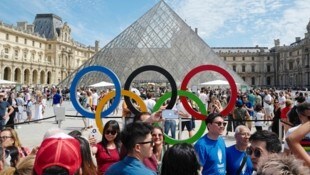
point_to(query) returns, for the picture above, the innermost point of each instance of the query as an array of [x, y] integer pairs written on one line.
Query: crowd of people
[[138, 147]]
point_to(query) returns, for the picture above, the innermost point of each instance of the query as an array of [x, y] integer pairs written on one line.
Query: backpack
[[293, 116]]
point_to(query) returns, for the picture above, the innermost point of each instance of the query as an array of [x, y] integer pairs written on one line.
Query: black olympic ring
[[174, 89]]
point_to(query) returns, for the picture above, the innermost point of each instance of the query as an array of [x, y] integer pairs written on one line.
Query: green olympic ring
[[202, 109]]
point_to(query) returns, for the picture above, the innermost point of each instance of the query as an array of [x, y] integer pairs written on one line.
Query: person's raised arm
[[293, 141]]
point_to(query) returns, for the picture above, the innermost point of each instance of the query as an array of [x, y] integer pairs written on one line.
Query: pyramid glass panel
[[160, 37]]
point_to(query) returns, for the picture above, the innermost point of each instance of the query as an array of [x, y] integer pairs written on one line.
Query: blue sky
[[221, 23]]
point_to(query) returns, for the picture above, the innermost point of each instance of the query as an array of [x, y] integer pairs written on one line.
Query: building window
[[253, 80], [16, 39], [7, 36], [268, 68], [234, 68], [243, 68], [234, 58], [243, 78], [33, 43], [243, 58], [16, 53], [25, 55], [32, 56], [25, 41], [40, 45], [6, 50], [268, 81], [290, 65], [253, 59], [49, 59], [49, 46], [253, 68], [268, 58], [224, 58]]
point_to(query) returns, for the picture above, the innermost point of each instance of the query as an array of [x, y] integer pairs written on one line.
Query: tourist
[[154, 162], [211, 147], [68, 161], [137, 139], [263, 144], [3, 114], [237, 160], [282, 164], [259, 117], [107, 152], [180, 159], [9, 137]]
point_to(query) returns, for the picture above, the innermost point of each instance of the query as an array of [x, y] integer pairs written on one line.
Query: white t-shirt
[[95, 98], [259, 116]]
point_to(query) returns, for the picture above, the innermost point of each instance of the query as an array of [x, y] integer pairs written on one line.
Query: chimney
[[96, 46], [30, 28], [196, 31], [297, 39], [22, 25], [277, 42]]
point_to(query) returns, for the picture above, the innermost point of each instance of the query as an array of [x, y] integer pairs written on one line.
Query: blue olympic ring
[[73, 90]]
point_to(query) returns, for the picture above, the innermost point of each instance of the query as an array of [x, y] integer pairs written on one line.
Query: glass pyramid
[[160, 37]]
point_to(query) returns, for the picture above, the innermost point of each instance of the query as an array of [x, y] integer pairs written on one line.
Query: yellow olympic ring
[[109, 96]]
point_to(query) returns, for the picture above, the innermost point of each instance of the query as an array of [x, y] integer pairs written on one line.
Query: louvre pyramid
[[160, 37]]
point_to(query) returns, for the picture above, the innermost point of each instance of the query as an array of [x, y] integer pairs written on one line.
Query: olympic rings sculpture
[[173, 95]]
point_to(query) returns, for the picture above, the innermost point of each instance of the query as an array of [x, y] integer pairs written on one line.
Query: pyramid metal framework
[[160, 37]]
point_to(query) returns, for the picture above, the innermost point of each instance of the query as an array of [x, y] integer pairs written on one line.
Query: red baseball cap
[[58, 150]]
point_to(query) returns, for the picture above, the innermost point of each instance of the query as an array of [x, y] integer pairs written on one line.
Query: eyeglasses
[[151, 142], [159, 135], [243, 134], [5, 137], [107, 132], [257, 152], [221, 123]]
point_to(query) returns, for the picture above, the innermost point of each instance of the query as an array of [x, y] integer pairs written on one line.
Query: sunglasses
[[151, 142], [221, 123], [107, 132], [257, 152], [159, 135]]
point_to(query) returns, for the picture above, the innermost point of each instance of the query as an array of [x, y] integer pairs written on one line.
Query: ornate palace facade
[[280, 66], [42, 53]]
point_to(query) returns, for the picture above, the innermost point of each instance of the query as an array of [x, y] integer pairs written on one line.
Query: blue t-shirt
[[3, 106], [129, 166], [56, 99], [212, 155], [234, 159]]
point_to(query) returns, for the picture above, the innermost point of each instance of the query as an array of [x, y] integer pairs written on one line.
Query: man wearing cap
[[58, 154], [211, 148], [263, 144], [137, 139], [4, 105]]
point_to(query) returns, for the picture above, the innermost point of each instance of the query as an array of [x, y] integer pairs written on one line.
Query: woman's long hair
[[88, 166], [115, 127]]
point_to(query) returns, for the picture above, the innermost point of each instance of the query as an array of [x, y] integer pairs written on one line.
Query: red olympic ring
[[220, 70]]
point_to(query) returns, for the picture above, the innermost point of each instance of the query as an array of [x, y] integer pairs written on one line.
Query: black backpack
[[293, 116]]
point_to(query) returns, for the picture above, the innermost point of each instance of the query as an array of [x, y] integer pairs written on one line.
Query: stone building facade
[[280, 66], [41, 53]]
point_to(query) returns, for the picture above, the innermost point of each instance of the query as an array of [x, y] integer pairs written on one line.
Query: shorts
[[188, 124], [268, 110]]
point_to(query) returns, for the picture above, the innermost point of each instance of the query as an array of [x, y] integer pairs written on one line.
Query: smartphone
[[93, 132], [170, 114]]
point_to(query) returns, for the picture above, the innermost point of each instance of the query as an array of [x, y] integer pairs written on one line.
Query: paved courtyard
[[32, 134]]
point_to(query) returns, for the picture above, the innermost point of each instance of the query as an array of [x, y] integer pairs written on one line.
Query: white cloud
[[261, 21]]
